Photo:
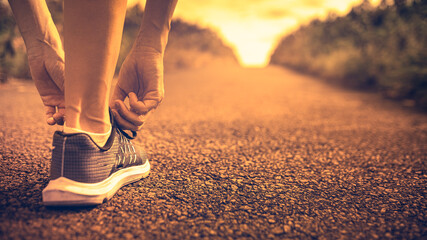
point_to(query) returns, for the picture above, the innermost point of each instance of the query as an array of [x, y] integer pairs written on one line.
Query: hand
[[46, 63], [141, 80]]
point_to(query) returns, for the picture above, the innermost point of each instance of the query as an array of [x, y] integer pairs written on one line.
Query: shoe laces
[[127, 149]]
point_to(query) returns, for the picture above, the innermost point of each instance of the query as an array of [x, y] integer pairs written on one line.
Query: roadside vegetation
[[189, 46], [13, 60], [373, 48]]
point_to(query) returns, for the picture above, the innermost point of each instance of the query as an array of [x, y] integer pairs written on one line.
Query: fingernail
[[50, 121]]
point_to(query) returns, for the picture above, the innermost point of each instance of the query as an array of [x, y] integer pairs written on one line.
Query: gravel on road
[[235, 153]]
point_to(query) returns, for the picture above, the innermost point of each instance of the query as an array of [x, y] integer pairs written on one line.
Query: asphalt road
[[235, 153]]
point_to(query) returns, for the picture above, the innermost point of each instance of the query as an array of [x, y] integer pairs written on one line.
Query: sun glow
[[253, 27]]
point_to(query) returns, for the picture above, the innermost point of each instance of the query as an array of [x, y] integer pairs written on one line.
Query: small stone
[[247, 208], [271, 220], [128, 236], [287, 228], [96, 228], [110, 208], [277, 230]]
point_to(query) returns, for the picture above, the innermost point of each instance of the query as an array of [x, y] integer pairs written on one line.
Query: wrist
[[35, 23], [156, 24], [147, 52], [152, 38], [37, 41]]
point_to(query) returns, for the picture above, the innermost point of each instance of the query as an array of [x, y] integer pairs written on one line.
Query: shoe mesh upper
[[77, 157]]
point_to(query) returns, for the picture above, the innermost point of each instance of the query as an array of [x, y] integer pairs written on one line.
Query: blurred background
[[377, 45]]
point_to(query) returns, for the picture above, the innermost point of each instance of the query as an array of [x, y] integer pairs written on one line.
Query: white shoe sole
[[65, 192]]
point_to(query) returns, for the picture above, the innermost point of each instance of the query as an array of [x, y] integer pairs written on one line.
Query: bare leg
[[92, 33]]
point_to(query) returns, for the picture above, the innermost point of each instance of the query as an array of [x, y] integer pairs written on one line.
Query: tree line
[[379, 48]]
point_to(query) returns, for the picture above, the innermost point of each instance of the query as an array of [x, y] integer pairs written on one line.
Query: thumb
[[118, 94], [144, 106]]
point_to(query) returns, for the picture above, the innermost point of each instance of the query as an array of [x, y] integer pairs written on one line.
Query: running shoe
[[83, 173]]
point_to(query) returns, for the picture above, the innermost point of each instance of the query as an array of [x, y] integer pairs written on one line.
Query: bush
[[381, 48], [7, 51], [189, 45]]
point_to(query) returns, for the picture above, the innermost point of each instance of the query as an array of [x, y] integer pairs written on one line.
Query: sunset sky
[[253, 27]]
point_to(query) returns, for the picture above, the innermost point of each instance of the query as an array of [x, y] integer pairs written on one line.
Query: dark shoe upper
[[76, 157]]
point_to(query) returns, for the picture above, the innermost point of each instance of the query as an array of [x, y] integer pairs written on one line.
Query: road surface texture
[[235, 153]]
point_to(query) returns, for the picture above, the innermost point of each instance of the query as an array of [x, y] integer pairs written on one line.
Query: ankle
[[99, 138], [88, 120]]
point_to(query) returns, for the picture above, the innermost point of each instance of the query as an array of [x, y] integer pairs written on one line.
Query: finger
[[59, 117], [124, 124], [142, 107], [130, 116], [50, 110], [118, 94], [61, 112]]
